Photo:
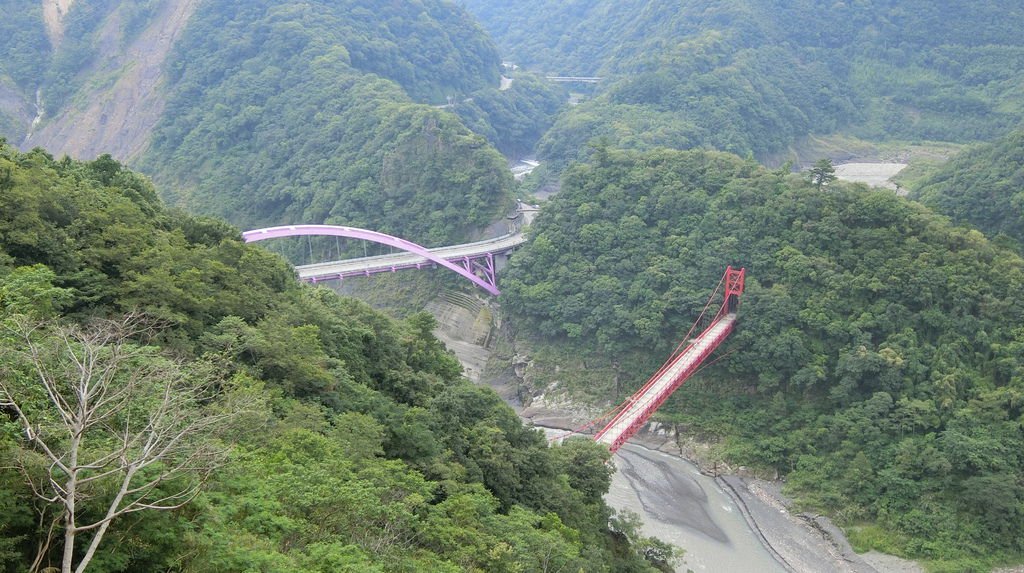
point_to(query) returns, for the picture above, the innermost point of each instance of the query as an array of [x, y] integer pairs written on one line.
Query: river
[[675, 502], [686, 508]]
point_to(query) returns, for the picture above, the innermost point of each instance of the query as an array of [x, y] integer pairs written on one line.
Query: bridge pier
[[500, 261]]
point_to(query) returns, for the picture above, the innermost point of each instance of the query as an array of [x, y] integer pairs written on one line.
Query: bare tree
[[108, 422]]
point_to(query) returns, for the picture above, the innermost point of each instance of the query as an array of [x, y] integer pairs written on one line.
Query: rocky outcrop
[[53, 14], [464, 325], [118, 118]]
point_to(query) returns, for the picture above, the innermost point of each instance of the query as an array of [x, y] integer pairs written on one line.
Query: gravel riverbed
[[694, 513]]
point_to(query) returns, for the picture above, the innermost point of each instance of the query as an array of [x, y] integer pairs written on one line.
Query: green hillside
[[359, 448], [981, 187], [307, 113], [31, 62], [25, 49], [270, 113], [23, 42], [878, 360], [878, 363], [515, 119], [754, 75]]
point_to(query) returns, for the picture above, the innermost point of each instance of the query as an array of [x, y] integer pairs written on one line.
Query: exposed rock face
[[116, 119], [464, 324], [53, 13]]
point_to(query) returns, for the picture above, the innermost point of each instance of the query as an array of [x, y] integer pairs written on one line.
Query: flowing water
[[35, 121]]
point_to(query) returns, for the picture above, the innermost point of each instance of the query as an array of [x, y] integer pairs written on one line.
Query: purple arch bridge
[[474, 261]]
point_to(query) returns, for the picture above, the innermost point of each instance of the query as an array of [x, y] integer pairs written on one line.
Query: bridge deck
[[683, 365], [406, 260]]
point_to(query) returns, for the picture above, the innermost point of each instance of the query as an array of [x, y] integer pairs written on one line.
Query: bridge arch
[[365, 235]]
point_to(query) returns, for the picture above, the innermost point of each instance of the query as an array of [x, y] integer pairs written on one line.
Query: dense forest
[[360, 447], [515, 119], [878, 363], [982, 187], [273, 113], [25, 47], [26, 50], [879, 357], [310, 115], [754, 75]]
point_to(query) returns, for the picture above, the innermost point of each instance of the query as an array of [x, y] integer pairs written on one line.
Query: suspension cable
[[684, 341], [672, 357]]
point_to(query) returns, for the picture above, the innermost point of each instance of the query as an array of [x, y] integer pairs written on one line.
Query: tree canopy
[[822, 173], [878, 358], [363, 449], [754, 75], [308, 113], [982, 187]]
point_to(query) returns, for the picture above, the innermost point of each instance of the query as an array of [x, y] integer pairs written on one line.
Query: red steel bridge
[[475, 261], [631, 415]]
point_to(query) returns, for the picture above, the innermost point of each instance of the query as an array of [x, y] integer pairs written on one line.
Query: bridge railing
[[467, 260], [641, 405]]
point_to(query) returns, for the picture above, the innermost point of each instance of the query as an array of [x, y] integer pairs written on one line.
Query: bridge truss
[[631, 415], [474, 261]]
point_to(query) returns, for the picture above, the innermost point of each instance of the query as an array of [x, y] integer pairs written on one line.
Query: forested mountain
[[516, 118], [83, 77], [271, 113], [879, 361], [361, 447], [300, 113], [26, 49], [754, 75], [981, 187], [879, 357]]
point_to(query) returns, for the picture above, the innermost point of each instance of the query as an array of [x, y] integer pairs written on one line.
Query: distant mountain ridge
[[88, 57], [755, 75], [982, 187], [267, 112]]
